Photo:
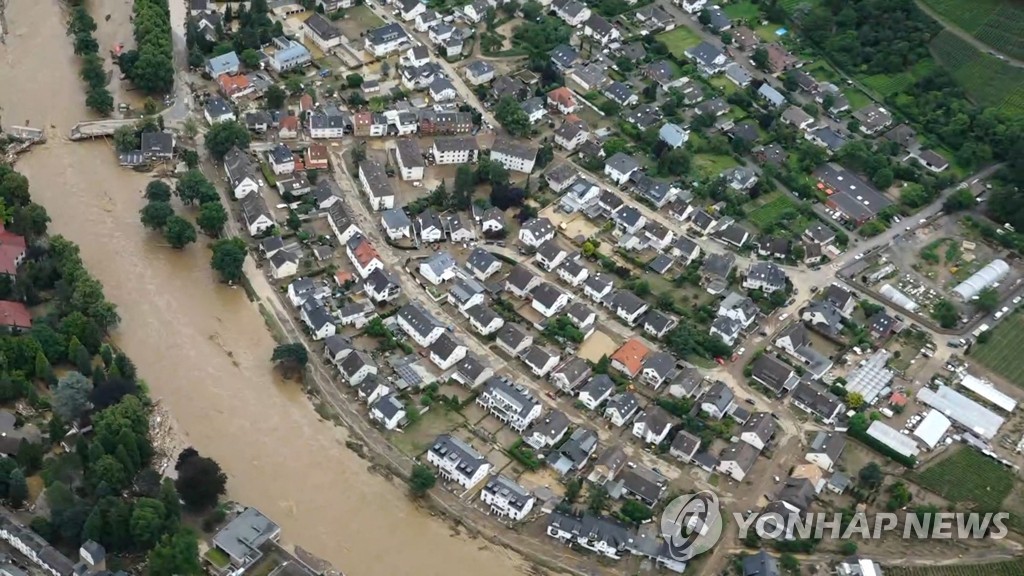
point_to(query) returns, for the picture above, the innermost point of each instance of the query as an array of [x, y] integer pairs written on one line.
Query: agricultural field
[[1008, 568], [679, 40], [889, 84], [1001, 352], [776, 206], [988, 80], [997, 23], [968, 477]]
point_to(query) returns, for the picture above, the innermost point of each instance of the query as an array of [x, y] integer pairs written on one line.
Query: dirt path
[[967, 37]]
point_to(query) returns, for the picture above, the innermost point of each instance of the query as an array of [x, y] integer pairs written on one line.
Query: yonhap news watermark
[[693, 523]]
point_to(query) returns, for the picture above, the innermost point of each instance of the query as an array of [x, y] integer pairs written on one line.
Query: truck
[[977, 331]]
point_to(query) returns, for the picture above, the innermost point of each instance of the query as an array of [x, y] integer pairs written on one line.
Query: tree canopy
[[223, 136], [200, 480], [228, 258]]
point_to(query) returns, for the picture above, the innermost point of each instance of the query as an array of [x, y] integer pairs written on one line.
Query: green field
[[744, 10], [988, 80], [968, 477], [997, 23], [792, 6], [711, 165], [777, 205], [888, 84], [679, 40], [1008, 568], [1001, 353]]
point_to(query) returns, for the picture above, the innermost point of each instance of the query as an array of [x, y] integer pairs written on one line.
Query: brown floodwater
[[202, 347]]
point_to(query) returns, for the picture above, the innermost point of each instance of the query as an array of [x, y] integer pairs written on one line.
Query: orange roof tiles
[[631, 355]]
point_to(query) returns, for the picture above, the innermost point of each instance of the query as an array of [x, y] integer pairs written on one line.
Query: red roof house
[[14, 315]]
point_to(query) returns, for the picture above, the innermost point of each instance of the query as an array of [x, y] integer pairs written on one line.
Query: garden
[[679, 40]]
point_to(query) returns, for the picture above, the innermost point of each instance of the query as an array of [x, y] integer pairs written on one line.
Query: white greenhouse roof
[[932, 428], [893, 439], [963, 411], [982, 279], [899, 298], [986, 391]]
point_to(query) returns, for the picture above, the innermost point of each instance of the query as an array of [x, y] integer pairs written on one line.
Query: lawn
[[857, 98], [364, 17], [997, 23], [711, 165], [968, 477], [417, 437], [1001, 353], [679, 40], [887, 84], [744, 10], [775, 206], [724, 84], [1007, 568], [217, 558]]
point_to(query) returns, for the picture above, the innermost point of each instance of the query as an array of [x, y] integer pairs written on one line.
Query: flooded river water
[[202, 347]]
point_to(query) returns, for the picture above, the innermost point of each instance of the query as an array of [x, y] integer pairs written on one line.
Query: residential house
[[396, 224], [766, 277], [738, 75], [457, 461], [708, 58], [824, 317], [657, 192], [363, 255], [438, 267], [563, 100], [484, 320], [241, 173], [761, 564], [691, 6], [224, 64], [492, 222], [281, 159], [737, 460], [376, 185], [504, 497], [758, 431], [653, 425], [827, 138], [515, 156], [540, 360], [534, 108], [594, 393], [628, 306], [382, 286], [434, 123], [716, 269], [597, 287], [621, 94], [684, 446], [659, 367], [472, 372], [511, 403], [796, 341], [550, 254], [590, 77], [455, 150], [458, 229], [621, 408], [283, 264], [773, 247], [873, 118], [442, 90], [255, 214], [684, 249], [574, 453], [218, 110], [317, 319], [608, 465], [771, 95], [549, 300], [597, 534], [825, 450], [410, 159], [419, 324], [513, 339], [536, 232], [288, 54], [674, 135], [620, 167], [643, 484], [386, 39], [601, 30], [466, 293], [479, 72], [482, 264], [774, 374], [357, 367], [521, 281], [658, 323], [431, 230], [819, 234], [779, 59], [573, 273], [510, 87], [427, 20], [389, 411], [574, 13], [569, 375], [629, 358], [324, 34], [718, 401], [564, 57], [357, 314], [718, 20], [410, 9], [446, 351], [817, 402]]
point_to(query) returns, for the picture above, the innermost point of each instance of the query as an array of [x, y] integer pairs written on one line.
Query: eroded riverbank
[[202, 347]]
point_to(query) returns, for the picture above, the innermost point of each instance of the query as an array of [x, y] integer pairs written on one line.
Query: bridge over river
[[97, 128]]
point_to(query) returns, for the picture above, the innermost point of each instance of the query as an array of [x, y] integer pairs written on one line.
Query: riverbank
[[202, 347]]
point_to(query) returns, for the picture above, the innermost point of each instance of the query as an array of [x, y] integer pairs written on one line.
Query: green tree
[[854, 400], [228, 258], [870, 476], [71, 397], [421, 479], [789, 563], [223, 136], [635, 511], [512, 117], [212, 218], [250, 58], [354, 80], [988, 300], [108, 470], [960, 200], [126, 139], [597, 499], [292, 358], [179, 232], [176, 555], [200, 481], [848, 548], [759, 57], [147, 522], [43, 369], [944, 312], [158, 191], [194, 188], [17, 488], [155, 214], [276, 97]]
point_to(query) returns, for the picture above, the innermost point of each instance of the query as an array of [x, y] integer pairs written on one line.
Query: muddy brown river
[[202, 347]]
